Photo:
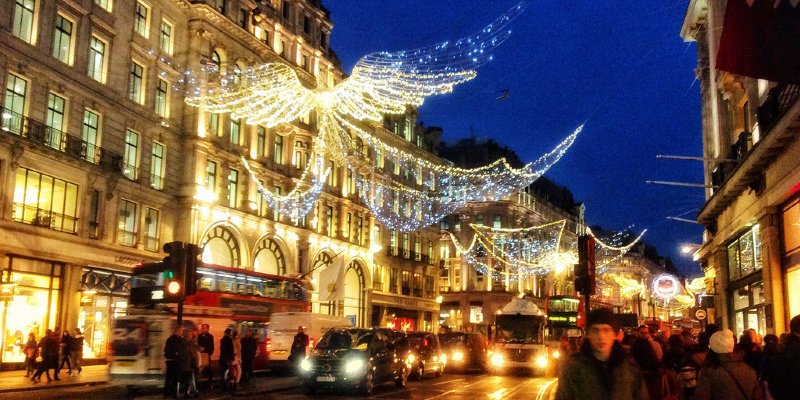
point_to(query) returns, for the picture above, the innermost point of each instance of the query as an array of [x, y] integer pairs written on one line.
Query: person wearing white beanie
[[725, 376]]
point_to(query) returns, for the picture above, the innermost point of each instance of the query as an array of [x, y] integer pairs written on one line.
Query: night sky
[[619, 66]]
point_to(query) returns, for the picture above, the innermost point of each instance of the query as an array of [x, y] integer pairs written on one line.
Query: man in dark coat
[[601, 369], [206, 342], [172, 352], [66, 353], [784, 382], [225, 356], [299, 345], [49, 352], [249, 348]]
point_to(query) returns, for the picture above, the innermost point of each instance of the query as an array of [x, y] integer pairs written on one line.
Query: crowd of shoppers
[[43, 355], [714, 365], [189, 356]]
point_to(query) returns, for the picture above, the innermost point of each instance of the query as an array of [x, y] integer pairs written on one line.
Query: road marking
[[440, 395], [442, 383], [543, 390], [481, 381]]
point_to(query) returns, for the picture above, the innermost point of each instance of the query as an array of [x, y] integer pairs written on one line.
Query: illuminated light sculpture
[[628, 287], [666, 286], [380, 84]]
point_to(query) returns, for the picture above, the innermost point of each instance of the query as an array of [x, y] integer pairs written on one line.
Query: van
[[283, 327]]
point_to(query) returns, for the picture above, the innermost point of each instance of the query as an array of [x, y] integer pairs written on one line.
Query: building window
[[136, 83], [151, 230], [406, 283], [165, 38], [276, 212], [444, 224], [377, 278], [498, 221], [393, 280], [131, 156], [329, 221], [126, 232], [221, 6], [744, 254], [278, 153], [304, 62], [97, 59], [376, 234], [357, 237], [262, 34], [104, 4], [91, 130], [269, 259], [396, 127], [211, 176], [24, 20], [393, 242], [243, 18], [46, 201], [749, 308], [233, 188], [237, 74], [261, 141], [323, 39], [350, 184], [94, 214], [62, 39], [14, 106], [55, 120], [430, 252], [331, 179], [417, 249], [417, 284], [141, 19], [157, 167], [286, 9], [479, 220], [162, 98], [213, 123], [236, 126], [406, 248]]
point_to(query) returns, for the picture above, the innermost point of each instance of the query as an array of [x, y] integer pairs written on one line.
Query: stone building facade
[[751, 242]]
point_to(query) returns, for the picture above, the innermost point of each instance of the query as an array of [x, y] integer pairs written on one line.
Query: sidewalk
[[15, 381]]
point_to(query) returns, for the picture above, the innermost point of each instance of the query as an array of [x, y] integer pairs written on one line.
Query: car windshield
[[452, 338], [336, 340], [520, 328]]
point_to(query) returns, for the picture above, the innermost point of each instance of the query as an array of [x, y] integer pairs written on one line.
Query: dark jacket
[[206, 342], [49, 351], [173, 348], [225, 350], [299, 344], [185, 355], [586, 377], [77, 344], [720, 381], [784, 370], [66, 344], [31, 345], [249, 348]]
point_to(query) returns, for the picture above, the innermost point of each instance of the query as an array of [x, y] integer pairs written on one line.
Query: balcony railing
[[126, 238], [37, 132], [156, 182], [45, 218]]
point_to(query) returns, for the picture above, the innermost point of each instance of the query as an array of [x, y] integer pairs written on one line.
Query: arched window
[[269, 258], [216, 58], [354, 293], [220, 247], [323, 260]]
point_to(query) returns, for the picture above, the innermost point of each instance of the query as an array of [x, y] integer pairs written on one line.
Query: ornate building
[[750, 130]]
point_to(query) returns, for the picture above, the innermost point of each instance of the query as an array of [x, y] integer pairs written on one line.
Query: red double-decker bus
[[226, 298], [566, 315]]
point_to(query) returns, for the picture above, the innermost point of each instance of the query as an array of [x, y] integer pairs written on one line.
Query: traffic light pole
[[180, 313]]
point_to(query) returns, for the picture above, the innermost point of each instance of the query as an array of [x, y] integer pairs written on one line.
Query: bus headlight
[[305, 365], [556, 354], [458, 356], [354, 366], [411, 358], [497, 359], [541, 361]]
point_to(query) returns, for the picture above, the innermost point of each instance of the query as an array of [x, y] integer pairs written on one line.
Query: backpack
[[687, 376]]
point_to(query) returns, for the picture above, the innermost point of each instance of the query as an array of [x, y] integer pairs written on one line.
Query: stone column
[[772, 273], [719, 262]]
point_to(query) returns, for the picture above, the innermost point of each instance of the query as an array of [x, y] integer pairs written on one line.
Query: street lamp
[[687, 248]]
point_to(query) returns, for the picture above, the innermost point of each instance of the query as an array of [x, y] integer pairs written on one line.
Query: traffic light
[[585, 269], [193, 261], [174, 272]]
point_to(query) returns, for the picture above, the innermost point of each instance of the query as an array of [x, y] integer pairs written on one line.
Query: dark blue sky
[[620, 66]]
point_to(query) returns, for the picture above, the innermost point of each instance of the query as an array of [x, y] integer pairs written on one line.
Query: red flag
[[761, 39]]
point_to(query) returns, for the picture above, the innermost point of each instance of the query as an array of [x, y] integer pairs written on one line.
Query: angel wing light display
[[380, 84]]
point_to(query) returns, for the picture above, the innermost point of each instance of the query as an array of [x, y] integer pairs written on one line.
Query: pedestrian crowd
[[53, 351], [188, 359], [642, 364]]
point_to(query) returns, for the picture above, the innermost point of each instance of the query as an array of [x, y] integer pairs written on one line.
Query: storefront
[[32, 305], [104, 297], [791, 257], [746, 298]]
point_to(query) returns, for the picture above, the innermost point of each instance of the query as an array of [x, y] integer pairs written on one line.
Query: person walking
[[236, 365], [187, 361], [77, 350], [249, 349], [601, 370], [644, 333], [172, 354], [65, 350], [298, 350], [725, 376], [225, 358], [660, 381], [49, 353], [784, 379], [206, 342], [31, 351]]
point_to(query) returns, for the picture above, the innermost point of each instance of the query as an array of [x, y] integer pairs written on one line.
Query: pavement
[[15, 381]]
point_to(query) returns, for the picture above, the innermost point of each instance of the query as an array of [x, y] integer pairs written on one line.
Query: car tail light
[[269, 345], [424, 342], [311, 343]]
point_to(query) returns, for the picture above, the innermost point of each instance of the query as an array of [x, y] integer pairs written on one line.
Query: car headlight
[[411, 358], [497, 359], [305, 365], [443, 358], [541, 361], [556, 354], [458, 356], [354, 366]]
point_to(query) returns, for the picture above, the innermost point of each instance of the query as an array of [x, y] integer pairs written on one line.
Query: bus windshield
[[520, 329]]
